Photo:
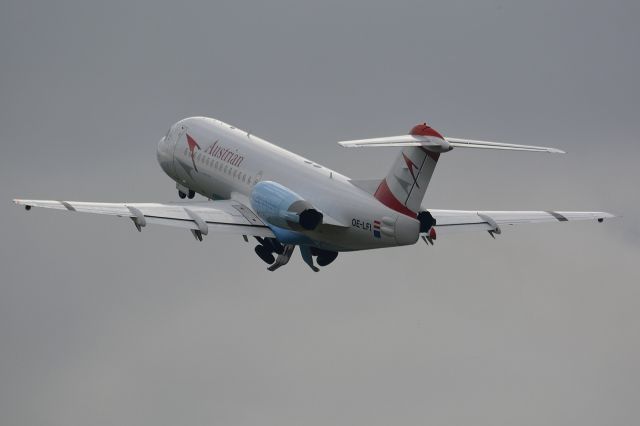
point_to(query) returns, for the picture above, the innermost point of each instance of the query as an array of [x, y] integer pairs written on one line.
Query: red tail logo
[[411, 166], [192, 149]]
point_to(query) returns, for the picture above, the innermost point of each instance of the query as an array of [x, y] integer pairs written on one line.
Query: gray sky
[[101, 325]]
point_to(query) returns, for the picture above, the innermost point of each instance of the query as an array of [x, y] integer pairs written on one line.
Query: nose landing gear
[[183, 192]]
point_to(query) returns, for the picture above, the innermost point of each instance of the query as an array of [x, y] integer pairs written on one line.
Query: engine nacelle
[[282, 207], [427, 221]]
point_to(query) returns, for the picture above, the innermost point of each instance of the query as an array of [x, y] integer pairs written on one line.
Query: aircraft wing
[[463, 220], [201, 217]]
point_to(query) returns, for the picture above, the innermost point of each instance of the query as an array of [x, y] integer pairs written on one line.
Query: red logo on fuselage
[[192, 149]]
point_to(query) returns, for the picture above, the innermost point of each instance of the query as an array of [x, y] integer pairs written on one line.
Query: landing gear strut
[[266, 249]]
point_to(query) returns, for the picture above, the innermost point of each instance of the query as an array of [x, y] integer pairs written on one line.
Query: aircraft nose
[[165, 155]]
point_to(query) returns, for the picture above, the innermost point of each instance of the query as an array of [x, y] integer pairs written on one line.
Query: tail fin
[[406, 183]]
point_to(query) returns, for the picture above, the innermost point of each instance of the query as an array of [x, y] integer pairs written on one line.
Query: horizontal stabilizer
[[470, 143], [443, 145], [402, 140]]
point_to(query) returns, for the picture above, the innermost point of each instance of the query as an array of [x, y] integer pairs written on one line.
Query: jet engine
[[282, 207], [427, 223]]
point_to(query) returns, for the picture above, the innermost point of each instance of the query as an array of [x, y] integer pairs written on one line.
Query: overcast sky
[[101, 325]]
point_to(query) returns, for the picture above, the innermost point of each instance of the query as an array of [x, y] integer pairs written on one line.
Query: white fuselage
[[220, 161]]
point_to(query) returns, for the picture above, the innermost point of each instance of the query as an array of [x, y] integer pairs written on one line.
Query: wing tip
[[19, 202], [556, 151], [606, 215], [601, 216]]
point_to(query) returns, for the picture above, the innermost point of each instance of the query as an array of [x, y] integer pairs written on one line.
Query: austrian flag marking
[[376, 228]]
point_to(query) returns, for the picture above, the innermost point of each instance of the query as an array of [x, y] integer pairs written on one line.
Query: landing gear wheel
[[181, 194], [191, 194], [326, 258], [264, 254]]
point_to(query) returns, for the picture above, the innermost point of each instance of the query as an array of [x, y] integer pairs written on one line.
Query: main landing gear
[[270, 246], [323, 257], [266, 249]]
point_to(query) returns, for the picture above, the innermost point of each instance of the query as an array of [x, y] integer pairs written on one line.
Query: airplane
[[255, 188]]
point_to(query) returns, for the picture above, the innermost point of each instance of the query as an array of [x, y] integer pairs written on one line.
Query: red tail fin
[[406, 183]]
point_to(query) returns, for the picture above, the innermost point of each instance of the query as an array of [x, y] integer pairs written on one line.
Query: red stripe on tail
[[386, 197]]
